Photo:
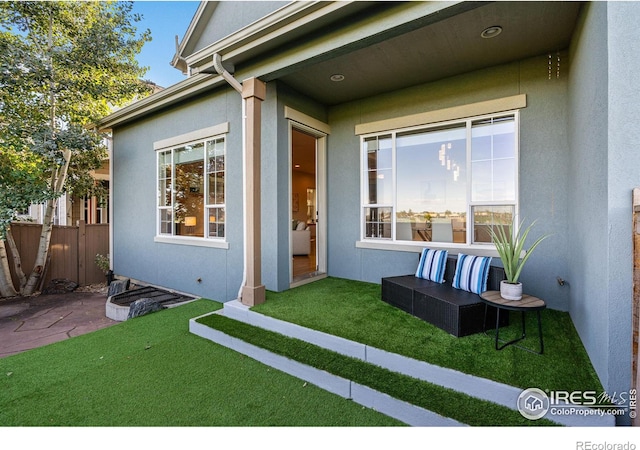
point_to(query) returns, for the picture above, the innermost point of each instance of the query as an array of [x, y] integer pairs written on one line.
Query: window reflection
[[441, 184]]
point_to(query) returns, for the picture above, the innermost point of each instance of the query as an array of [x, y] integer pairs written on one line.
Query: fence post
[[82, 250]]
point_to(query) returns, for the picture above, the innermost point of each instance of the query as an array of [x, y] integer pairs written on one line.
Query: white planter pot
[[511, 291]]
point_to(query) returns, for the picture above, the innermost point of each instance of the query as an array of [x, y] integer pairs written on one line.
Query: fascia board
[[279, 22], [243, 43], [191, 30], [173, 94], [297, 14]]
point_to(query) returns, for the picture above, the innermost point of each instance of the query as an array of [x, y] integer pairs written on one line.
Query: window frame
[[469, 245], [171, 145]]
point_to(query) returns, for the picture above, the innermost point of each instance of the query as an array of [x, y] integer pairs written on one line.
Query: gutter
[[174, 94]]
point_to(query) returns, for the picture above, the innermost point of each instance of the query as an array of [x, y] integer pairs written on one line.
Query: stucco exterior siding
[[543, 169], [136, 254], [588, 214]]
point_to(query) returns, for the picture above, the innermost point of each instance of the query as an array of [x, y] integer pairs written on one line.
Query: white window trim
[[196, 135], [210, 133], [465, 113], [193, 241]]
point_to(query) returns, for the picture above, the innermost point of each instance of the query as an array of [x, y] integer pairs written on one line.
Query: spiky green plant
[[510, 246]]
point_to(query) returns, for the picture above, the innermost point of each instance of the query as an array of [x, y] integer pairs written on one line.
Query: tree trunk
[[37, 273], [6, 284], [58, 180], [17, 261]]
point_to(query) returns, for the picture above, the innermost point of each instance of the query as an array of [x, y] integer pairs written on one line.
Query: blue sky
[[165, 19]]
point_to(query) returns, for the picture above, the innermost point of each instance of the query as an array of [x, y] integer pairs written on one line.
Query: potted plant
[[510, 246], [104, 264]]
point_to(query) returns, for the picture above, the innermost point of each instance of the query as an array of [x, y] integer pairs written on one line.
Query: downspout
[[217, 64], [219, 68]]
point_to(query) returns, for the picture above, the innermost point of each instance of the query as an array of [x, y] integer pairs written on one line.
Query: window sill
[[416, 247], [195, 242]]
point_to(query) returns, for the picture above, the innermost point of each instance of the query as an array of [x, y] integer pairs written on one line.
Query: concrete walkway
[[30, 322]]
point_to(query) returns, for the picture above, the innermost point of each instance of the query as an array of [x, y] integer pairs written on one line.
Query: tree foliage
[[63, 65]]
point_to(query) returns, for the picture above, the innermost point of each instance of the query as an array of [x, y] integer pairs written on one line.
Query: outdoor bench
[[458, 312]]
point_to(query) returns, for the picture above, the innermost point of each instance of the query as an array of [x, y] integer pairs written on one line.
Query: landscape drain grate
[[160, 295]]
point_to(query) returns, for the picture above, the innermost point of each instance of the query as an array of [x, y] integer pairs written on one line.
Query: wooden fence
[[71, 255]]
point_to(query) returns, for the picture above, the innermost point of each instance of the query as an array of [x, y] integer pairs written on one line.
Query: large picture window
[[191, 189], [445, 183]]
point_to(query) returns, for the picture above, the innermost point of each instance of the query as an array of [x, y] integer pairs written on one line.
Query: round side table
[[528, 303]]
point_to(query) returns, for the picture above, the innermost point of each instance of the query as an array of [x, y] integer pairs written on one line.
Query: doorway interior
[[304, 206]]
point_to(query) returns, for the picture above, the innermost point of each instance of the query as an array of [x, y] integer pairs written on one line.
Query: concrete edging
[[473, 386], [363, 395]]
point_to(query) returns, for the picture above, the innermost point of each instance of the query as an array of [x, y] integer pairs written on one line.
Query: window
[[191, 189], [449, 182]]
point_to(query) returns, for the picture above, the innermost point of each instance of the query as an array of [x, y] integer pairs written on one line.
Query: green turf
[[150, 371], [354, 310], [445, 402]]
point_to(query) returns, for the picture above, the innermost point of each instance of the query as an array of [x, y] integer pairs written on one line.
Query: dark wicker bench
[[458, 312]]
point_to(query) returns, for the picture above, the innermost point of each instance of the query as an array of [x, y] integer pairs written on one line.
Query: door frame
[[320, 131]]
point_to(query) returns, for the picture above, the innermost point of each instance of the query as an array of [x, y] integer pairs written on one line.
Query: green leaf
[[510, 248]]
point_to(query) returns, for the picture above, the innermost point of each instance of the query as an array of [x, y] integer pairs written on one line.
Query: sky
[[165, 20]]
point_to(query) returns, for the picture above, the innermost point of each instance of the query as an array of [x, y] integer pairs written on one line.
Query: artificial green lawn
[[446, 402], [150, 371], [354, 310]]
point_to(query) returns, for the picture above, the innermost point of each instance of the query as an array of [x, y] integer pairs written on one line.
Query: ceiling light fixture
[[337, 77], [491, 32]]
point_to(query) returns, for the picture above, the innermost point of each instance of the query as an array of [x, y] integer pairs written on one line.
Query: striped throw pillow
[[472, 273], [432, 264]]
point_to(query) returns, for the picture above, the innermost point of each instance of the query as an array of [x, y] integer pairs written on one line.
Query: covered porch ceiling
[[444, 48]]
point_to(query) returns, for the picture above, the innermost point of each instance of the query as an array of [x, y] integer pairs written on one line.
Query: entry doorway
[[307, 187]]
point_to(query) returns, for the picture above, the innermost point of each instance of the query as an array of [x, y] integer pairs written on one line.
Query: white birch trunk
[[17, 261], [35, 277], [6, 284]]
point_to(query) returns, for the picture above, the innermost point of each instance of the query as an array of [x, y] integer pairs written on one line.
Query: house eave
[[290, 17], [284, 23], [186, 88], [192, 33]]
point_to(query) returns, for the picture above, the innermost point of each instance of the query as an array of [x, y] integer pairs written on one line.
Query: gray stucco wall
[[588, 181], [135, 253], [604, 115], [623, 175], [544, 169]]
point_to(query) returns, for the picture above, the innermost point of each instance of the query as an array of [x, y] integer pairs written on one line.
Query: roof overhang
[[407, 43]]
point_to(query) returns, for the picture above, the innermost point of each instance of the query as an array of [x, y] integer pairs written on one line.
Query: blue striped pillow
[[472, 273], [432, 264]]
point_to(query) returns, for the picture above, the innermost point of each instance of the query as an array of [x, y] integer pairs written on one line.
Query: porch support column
[[253, 92]]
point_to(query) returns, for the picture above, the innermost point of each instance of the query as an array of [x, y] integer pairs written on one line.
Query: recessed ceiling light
[[491, 32], [337, 77], [297, 166]]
